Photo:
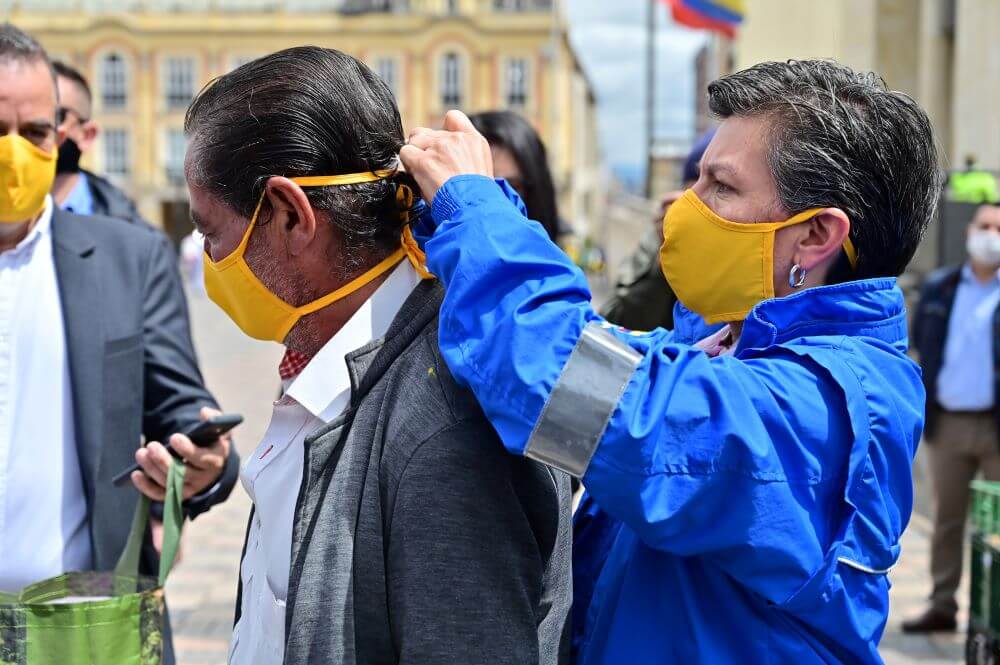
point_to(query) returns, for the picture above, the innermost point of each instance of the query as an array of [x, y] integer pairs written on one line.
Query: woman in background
[[519, 158]]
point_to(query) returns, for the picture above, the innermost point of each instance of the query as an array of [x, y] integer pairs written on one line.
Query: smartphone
[[203, 435]]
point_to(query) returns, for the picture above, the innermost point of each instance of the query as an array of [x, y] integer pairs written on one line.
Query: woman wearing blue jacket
[[745, 494]]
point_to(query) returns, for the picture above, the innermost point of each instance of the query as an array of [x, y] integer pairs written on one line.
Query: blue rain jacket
[[739, 509]]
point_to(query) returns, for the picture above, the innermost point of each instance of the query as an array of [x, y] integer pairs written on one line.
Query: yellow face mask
[[717, 268], [26, 175], [232, 285]]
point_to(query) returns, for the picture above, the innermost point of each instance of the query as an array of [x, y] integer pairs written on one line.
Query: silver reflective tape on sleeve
[[583, 401], [865, 569]]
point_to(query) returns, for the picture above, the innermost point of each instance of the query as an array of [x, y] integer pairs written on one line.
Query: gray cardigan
[[417, 537]]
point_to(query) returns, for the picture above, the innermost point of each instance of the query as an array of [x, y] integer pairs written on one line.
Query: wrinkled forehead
[[27, 90]]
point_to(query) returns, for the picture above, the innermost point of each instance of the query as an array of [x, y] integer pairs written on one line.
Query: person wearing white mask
[[956, 331]]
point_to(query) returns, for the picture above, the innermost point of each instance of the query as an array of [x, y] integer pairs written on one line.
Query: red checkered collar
[[292, 364]]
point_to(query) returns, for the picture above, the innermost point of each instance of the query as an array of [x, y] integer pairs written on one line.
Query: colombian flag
[[718, 15]]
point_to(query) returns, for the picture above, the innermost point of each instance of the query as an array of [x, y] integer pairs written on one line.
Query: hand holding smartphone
[[203, 434]]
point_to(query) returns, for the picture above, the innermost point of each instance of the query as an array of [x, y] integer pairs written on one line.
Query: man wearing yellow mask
[[745, 496], [389, 524], [95, 354]]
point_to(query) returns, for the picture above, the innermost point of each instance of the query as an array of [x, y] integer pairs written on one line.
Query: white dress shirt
[[44, 528], [272, 474], [965, 382]]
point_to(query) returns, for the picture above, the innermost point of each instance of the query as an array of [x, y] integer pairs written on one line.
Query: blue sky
[[610, 38]]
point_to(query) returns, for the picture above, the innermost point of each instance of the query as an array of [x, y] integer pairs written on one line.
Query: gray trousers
[[963, 444]]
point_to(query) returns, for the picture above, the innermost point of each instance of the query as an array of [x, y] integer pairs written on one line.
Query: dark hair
[[843, 139], [303, 111], [508, 130], [74, 75], [18, 46]]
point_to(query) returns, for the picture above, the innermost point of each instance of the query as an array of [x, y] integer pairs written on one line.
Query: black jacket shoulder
[[941, 277], [109, 201]]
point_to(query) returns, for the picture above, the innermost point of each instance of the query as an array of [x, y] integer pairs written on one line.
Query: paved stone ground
[[243, 376], [910, 586], [201, 592]]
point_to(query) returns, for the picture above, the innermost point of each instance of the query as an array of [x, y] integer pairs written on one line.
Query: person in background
[[75, 189], [389, 524], [519, 157], [95, 354], [957, 334], [973, 185], [192, 263], [642, 299]]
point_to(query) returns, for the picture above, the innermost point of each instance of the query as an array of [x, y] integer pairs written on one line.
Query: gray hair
[[842, 139], [18, 46]]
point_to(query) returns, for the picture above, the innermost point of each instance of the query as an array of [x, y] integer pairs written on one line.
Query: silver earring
[[796, 282]]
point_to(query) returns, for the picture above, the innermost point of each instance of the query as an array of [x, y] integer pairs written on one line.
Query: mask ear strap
[[244, 241], [404, 201], [852, 253]]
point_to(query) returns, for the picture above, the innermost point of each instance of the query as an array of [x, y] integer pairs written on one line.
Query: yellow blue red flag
[[718, 15]]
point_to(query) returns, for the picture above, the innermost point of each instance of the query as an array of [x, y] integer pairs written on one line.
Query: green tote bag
[[97, 618]]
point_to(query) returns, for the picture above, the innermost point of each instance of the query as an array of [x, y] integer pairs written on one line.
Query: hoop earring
[[796, 282]]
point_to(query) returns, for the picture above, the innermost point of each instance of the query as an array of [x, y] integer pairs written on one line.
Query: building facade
[[944, 53], [147, 59]]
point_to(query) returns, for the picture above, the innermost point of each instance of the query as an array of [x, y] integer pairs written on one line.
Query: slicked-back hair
[[18, 46], [304, 111], [842, 139]]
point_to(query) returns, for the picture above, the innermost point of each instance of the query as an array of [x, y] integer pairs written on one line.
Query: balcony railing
[[419, 7], [444, 7]]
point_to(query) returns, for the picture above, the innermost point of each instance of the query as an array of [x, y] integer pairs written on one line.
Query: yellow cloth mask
[[717, 268], [232, 285], [26, 175]]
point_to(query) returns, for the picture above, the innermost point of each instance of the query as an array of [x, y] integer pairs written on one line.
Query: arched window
[[178, 81], [452, 81], [114, 82]]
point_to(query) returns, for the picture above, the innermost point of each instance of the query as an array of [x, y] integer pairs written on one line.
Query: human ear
[[822, 240], [292, 213]]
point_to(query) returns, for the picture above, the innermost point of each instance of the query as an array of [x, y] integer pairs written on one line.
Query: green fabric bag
[[97, 618]]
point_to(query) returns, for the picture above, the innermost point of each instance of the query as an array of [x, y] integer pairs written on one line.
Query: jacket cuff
[[462, 191], [218, 492]]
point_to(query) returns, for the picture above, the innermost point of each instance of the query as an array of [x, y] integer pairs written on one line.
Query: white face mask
[[984, 247]]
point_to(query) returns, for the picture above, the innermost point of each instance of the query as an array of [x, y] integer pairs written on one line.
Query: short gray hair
[[842, 139], [18, 46]]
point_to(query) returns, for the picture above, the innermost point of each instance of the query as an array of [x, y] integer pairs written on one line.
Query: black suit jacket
[[930, 335], [109, 201], [133, 369]]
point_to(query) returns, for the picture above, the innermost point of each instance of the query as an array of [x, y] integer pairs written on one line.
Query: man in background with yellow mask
[[746, 496], [95, 353], [389, 524]]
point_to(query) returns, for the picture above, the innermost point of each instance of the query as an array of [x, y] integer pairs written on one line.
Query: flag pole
[[650, 92]]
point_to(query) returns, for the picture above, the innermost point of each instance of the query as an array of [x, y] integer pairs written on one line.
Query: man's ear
[[90, 132], [292, 212], [823, 238]]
